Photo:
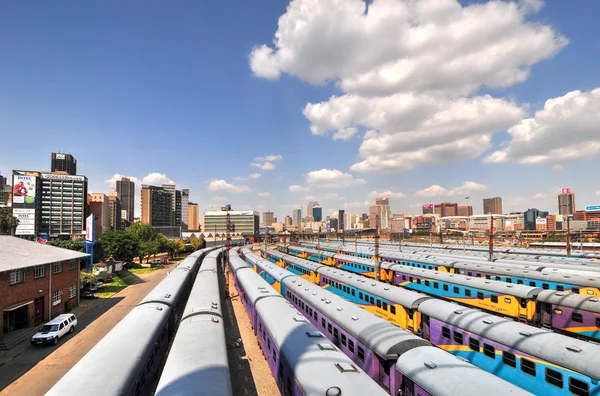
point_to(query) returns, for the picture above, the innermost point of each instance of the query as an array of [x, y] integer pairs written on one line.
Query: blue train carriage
[[430, 371], [304, 268], [537, 360], [346, 262], [516, 301], [574, 282], [573, 314]]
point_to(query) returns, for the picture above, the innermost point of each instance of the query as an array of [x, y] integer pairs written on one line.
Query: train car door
[[384, 373]]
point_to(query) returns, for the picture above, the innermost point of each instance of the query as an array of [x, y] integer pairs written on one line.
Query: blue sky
[[170, 90]]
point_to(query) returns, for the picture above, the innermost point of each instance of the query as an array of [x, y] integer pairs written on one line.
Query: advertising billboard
[[540, 221], [428, 206], [26, 219], [60, 156], [24, 189], [592, 208], [90, 228], [566, 191]]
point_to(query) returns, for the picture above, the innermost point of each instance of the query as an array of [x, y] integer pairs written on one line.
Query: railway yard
[[333, 318]]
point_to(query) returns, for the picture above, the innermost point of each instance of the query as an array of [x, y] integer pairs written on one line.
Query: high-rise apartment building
[[341, 222], [445, 209], [61, 162], [193, 217], [317, 213], [267, 219], [99, 206], [157, 206], [126, 190], [566, 202], [297, 217], [492, 205], [185, 200], [114, 205]]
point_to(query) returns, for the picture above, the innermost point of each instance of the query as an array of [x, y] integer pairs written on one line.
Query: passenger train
[[139, 340], [400, 362]]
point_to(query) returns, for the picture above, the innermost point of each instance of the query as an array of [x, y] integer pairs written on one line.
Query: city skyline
[[176, 96]]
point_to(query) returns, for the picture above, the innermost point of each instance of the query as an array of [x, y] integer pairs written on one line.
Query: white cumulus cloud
[[266, 158], [407, 69], [222, 185], [387, 194], [266, 166], [332, 178], [297, 188], [565, 130], [439, 191], [251, 176], [264, 194]]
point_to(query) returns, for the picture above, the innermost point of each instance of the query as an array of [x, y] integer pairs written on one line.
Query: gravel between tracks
[[250, 373]]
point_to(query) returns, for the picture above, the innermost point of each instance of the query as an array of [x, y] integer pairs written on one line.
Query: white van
[[53, 330]]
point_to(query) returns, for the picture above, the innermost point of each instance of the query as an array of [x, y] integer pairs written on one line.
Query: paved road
[[36, 370]]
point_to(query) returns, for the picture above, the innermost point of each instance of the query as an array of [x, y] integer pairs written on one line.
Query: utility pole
[[377, 262], [491, 242], [568, 236], [400, 240]]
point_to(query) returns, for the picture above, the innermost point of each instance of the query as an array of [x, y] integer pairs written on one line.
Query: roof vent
[[328, 302], [559, 294], [354, 317], [159, 308], [326, 347], [293, 280], [524, 333], [168, 295], [300, 320], [593, 300], [346, 368], [574, 348], [510, 285], [215, 319], [429, 364], [333, 391], [386, 288], [314, 334], [458, 312], [340, 308], [487, 321], [323, 298], [306, 288], [314, 293]]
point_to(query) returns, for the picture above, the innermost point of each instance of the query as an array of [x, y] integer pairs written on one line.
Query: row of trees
[[138, 240]]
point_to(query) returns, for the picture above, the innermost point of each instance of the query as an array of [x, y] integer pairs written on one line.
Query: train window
[[494, 299], [435, 285], [336, 334], [597, 322], [351, 345], [269, 344], [419, 281], [344, 340], [456, 290], [445, 287], [378, 303], [558, 312], [532, 283], [353, 292], [507, 300], [523, 303], [519, 282], [480, 295], [445, 332], [488, 277], [426, 283], [545, 286], [470, 273], [577, 317], [474, 344], [578, 387], [361, 354], [403, 277], [458, 337], [393, 311], [322, 323], [574, 290], [274, 355], [509, 359], [310, 311], [489, 351], [372, 300], [360, 295], [410, 278], [329, 328], [478, 275], [384, 305], [554, 377], [528, 367], [288, 388], [560, 288], [315, 315], [468, 292]]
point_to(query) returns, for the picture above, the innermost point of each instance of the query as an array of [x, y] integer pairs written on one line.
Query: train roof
[[205, 294], [169, 289], [310, 265], [236, 263], [255, 287], [576, 355], [313, 358], [571, 300], [521, 291], [443, 374]]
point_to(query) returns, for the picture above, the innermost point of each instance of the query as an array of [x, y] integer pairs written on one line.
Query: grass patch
[[112, 288], [145, 270]]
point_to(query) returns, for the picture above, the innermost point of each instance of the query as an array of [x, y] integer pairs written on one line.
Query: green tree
[[8, 223], [163, 243], [120, 245], [72, 244], [197, 243], [177, 246], [125, 224], [142, 232], [147, 249]]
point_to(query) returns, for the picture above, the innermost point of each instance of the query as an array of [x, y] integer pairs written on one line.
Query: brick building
[[37, 282]]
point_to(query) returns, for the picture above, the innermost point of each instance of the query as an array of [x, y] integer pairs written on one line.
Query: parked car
[[87, 294], [55, 329]]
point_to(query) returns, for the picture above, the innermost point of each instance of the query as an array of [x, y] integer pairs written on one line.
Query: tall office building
[[267, 219], [4, 190], [566, 202], [61, 162], [157, 206], [341, 222], [297, 217], [99, 206], [114, 205], [193, 217], [288, 221], [185, 200], [446, 209], [309, 208], [492, 205], [126, 190], [427, 208], [464, 210], [386, 212], [317, 213], [375, 214], [245, 222], [176, 204]]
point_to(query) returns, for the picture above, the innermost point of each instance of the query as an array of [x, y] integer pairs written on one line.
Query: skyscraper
[[309, 208], [317, 213], [386, 212], [288, 221], [185, 199], [126, 190], [492, 205], [114, 204], [61, 162], [193, 217], [157, 206], [446, 209], [267, 219], [297, 217], [566, 202], [341, 223]]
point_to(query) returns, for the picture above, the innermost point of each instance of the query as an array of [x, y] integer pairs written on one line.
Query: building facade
[[114, 205], [36, 288], [531, 215], [341, 219], [267, 219], [297, 217], [514, 221], [126, 190], [317, 213], [566, 203], [185, 200], [157, 206], [245, 222], [446, 209], [288, 221], [309, 208], [193, 217], [484, 222], [464, 210], [64, 163], [492, 205], [99, 206]]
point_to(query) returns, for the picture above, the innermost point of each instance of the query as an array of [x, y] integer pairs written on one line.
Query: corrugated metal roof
[[16, 253]]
